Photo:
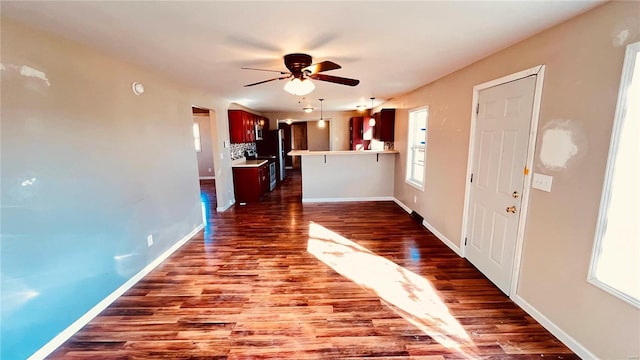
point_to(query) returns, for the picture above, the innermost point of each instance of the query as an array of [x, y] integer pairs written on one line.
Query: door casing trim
[[537, 71]]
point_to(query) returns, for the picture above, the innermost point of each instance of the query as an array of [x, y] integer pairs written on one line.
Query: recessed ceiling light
[[307, 109]]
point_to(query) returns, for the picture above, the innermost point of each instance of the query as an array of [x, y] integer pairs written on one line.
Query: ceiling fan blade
[[335, 79], [321, 66], [277, 71], [265, 81]]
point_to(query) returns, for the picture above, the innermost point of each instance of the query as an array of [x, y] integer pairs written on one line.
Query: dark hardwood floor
[[284, 280]]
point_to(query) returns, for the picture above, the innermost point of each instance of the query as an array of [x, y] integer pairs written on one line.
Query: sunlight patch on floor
[[410, 294]]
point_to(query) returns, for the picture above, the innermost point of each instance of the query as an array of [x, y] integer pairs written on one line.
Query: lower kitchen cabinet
[[250, 183]]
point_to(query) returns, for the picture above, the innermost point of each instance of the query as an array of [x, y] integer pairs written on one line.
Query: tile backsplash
[[237, 150]]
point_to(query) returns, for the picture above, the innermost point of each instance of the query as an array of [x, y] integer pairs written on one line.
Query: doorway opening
[[203, 135], [313, 135]]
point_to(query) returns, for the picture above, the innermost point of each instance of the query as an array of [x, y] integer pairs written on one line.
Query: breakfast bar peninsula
[[349, 175]]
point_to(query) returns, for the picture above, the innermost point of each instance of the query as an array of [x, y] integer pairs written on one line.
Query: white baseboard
[[348, 199], [433, 230], [224, 208], [54, 343], [207, 178], [402, 205], [442, 238], [570, 342]]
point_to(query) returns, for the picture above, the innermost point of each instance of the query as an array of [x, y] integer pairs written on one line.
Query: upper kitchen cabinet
[[243, 126], [357, 136], [237, 126], [385, 123]]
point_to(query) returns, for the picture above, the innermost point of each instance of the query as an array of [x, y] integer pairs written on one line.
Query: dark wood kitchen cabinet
[[385, 123], [242, 126], [356, 133], [239, 130], [250, 183]]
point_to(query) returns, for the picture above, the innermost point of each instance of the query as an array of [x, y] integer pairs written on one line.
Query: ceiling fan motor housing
[[296, 62]]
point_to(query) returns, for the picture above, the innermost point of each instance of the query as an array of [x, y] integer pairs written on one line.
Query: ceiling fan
[[300, 69]]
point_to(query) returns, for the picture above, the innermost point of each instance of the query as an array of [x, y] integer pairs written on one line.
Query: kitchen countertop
[[239, 163], [340, 152]]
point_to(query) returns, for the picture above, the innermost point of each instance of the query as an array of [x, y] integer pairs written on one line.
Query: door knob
[[515, 195], [511, 209]]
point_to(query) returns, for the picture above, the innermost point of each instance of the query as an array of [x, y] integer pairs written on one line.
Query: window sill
[[415, 184], [615, 292]]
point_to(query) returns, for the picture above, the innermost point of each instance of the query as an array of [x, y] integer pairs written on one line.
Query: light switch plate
[[542, 182]]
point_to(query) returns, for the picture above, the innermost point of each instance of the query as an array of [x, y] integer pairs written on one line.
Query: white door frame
[[533, 132]]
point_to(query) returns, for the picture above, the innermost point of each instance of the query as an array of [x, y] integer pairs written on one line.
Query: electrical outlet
[[542, 182], [209, 169], [149, 240], [415, 199]]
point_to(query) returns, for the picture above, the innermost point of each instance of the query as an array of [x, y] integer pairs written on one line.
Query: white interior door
[[499, 159]]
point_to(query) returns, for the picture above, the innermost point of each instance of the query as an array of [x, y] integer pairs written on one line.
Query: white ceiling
[[392, 47]]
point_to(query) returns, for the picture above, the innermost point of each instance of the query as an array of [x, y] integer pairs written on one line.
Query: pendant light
[[372, 120], [321, 123]]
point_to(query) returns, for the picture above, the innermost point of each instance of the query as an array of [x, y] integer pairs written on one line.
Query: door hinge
[[465, 241], [477, 108], [471, 180]]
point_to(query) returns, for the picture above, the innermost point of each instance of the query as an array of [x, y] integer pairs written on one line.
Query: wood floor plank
[[280, 279]]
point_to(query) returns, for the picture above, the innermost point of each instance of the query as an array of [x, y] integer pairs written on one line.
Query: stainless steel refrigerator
[[272, 144]]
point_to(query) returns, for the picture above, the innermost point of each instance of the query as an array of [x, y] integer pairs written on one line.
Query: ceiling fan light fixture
[[299, 87]]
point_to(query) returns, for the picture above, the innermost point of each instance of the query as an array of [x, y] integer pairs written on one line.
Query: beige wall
[[317, 137], [338, 129], [109, 168], [583, 59]]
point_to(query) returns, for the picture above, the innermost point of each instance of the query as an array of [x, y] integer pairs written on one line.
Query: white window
[[615, 263], [196, 137], [417, 147]]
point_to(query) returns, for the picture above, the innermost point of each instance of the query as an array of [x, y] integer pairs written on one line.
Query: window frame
[[631, 54], [409, 173]]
